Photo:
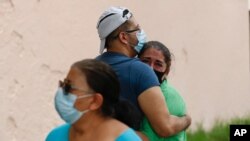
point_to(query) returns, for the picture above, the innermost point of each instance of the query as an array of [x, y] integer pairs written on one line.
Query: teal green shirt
[[176, 106], [61, 133]]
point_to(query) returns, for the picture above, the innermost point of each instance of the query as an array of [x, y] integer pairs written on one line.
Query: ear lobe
[[97, 102]]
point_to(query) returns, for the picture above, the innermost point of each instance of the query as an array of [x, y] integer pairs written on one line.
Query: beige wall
[[40, 39]]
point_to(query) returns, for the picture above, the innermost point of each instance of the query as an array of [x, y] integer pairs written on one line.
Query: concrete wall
[[40, 39]]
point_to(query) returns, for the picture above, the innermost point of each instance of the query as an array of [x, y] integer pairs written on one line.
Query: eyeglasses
[[128, 31], [133, 30], [67, 87]]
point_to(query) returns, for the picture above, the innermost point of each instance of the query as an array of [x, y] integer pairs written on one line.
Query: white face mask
[[64, 104]]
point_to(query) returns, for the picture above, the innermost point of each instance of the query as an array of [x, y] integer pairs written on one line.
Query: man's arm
[[154, 106]]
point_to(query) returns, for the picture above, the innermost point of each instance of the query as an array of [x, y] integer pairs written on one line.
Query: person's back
[[134, 76]]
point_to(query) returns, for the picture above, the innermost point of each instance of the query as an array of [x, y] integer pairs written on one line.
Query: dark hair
[[161, 47], [102, 79]]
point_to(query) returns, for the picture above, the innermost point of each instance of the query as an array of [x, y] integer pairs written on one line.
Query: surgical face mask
[[142, 38], [64, 104], [159, 75]]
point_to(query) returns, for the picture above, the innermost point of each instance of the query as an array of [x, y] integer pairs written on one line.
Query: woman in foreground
[[88, 101]]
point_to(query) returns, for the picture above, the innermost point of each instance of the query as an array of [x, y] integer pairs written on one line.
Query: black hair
[[159, 46], [102, 79]]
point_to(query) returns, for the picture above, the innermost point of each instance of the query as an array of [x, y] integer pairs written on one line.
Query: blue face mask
[[64, 104], [141, 37]]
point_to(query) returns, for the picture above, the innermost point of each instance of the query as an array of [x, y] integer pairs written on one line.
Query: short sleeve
[[143, 76]]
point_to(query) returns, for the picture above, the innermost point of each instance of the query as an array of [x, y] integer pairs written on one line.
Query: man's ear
[[123, 37], [97, 102]]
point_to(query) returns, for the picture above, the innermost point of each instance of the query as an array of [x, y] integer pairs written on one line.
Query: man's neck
[[121, 50]]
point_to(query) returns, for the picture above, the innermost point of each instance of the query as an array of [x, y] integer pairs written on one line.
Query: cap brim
[[102, 46]]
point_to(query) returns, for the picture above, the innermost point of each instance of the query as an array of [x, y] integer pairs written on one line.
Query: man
[[123, 39]]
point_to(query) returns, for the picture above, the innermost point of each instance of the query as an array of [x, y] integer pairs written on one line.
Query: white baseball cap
[[110, 20]]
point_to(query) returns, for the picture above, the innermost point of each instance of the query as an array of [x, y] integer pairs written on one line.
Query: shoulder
[[113, 126], [136, 63], [142, 76], [113, 129], [169, 87], [128, 135], [112, 57], [59, 133], [141, 69], [109, 129]]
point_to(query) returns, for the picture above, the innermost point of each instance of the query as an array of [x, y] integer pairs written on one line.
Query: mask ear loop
[[85, 96]]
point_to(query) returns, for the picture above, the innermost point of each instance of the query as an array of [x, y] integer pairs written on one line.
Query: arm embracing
[[153, 105]]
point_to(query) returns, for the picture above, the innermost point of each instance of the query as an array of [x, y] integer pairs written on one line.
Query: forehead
[[75, 76], [153, 54]]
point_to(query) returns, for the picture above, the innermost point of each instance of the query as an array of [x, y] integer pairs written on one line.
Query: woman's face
[[155, 59], [79, 87], [77, 81]]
